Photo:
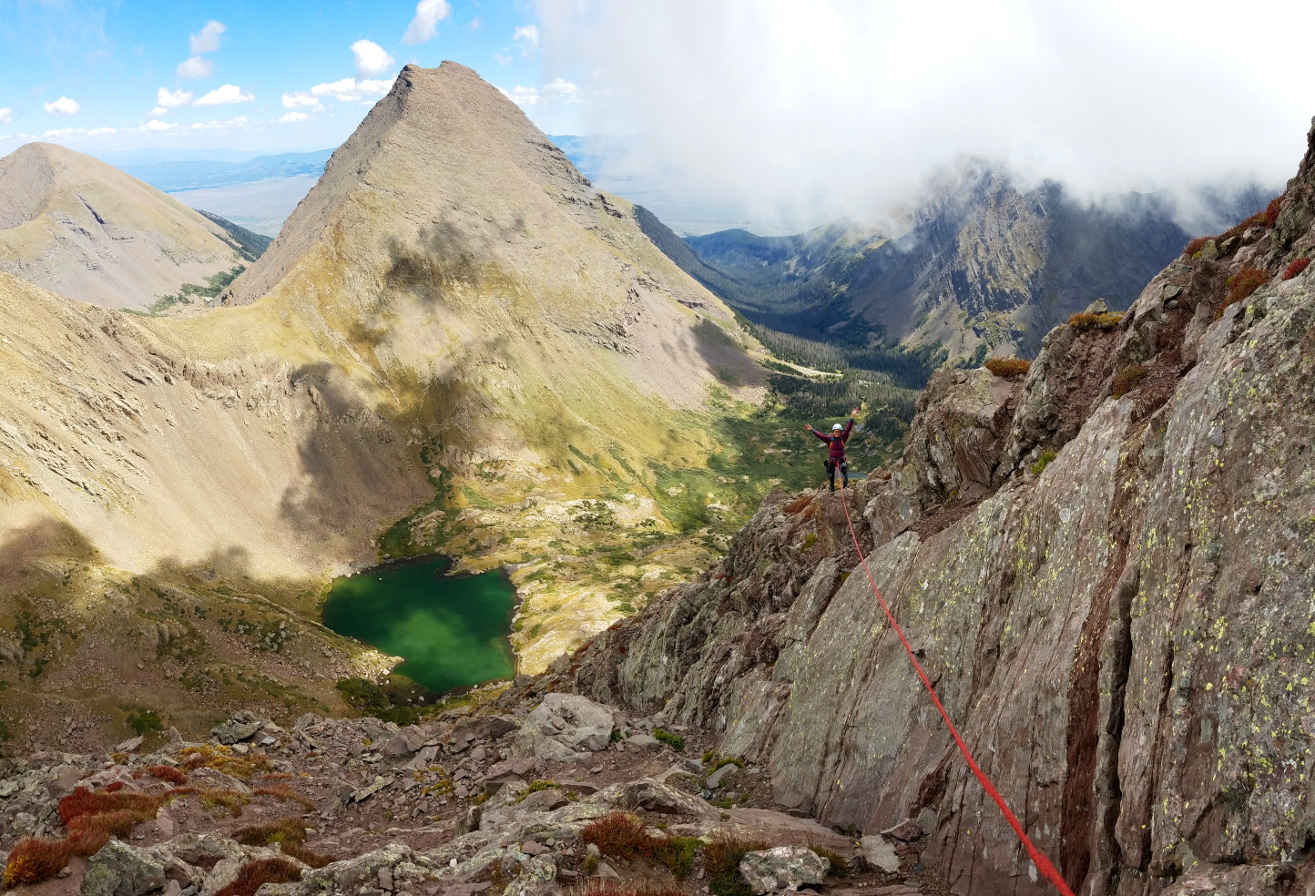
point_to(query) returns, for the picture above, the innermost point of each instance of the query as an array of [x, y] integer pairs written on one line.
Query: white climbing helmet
[[836, 428]]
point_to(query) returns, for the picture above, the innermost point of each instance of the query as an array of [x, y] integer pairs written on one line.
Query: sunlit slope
[[84, 229], [449, 242]]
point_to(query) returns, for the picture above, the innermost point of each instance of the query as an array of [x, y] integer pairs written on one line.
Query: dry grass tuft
[[286, 793], [253, 875], [1006, 367], [1295, 268], [33, 861], [221, 759], [722, 859], [282, 830], [1127, 379], [1087, 321], [289, 834], [617, 888]]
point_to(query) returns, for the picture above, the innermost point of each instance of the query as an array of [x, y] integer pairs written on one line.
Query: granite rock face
[[1124, 635]]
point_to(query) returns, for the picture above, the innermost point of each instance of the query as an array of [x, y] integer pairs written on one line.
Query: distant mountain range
[[178, 175], [983, 267]]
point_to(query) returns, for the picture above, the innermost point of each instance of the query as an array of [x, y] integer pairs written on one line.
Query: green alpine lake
[[451, 630]]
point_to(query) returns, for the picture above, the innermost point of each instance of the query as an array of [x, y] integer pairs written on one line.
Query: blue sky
[[275, 75], [802, 109]]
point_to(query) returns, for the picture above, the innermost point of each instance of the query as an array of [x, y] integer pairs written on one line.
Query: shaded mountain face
[[985, 267], [454, 341], [74, 225], [1104, 565]]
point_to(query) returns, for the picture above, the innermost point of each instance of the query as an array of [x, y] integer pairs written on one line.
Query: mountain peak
[[442, 141]]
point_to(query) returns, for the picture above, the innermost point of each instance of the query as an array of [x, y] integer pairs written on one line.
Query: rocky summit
[[79, 227]]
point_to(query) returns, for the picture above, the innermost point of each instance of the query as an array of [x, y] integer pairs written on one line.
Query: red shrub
[[1295, 268], [1195, 246], [619, 834], [87, 840], [167, 773], [1272, 210], [252, 875], [114, 787], [33, 861], [85, 802], [1244, 283]]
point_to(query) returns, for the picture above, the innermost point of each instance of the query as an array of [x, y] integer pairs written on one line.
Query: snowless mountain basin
[[451, 630]]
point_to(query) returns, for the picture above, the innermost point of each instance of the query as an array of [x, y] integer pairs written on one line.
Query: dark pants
[[831, 467]]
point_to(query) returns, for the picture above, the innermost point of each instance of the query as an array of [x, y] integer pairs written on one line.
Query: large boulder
[[565, 726], [120, 870], [782, 869]]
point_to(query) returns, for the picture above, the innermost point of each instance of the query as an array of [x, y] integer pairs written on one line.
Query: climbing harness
[[1039, 859]]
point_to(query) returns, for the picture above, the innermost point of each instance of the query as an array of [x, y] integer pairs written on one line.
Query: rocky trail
[[570, 796]]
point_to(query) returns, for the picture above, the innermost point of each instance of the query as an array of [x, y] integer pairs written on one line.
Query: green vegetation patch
[[190, 292]]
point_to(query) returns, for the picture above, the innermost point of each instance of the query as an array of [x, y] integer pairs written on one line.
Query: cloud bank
[[844, 106]]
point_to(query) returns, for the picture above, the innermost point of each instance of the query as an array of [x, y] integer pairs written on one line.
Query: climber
[[835, 458]]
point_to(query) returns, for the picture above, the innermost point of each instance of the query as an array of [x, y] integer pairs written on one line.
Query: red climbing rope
[[1042, 863]]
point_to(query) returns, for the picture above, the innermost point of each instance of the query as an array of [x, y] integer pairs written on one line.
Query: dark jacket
[[837, 443]]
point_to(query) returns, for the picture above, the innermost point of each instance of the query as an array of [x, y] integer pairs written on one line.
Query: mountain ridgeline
[[983, 267]]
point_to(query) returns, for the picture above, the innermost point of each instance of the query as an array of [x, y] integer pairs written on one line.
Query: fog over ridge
[[826, 108]]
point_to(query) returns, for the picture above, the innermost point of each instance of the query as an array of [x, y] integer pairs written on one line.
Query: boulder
[[879, 854], [564, 726], [120, 870], [782, 869], [235, 730], [538, 877]]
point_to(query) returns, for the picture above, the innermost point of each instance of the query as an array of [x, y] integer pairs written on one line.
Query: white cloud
[[294, 116], [503, 59], [298, 100], [207, 39], [527, 38], [157, 127], [846, 107], [64, 132], [158, 111], [172, 100], [556, 91], [222, 96], [195, 67], [474, 24], [6, 116], [425, 24], [62, 106], [101, 132], [348, 90], [371, 59]]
